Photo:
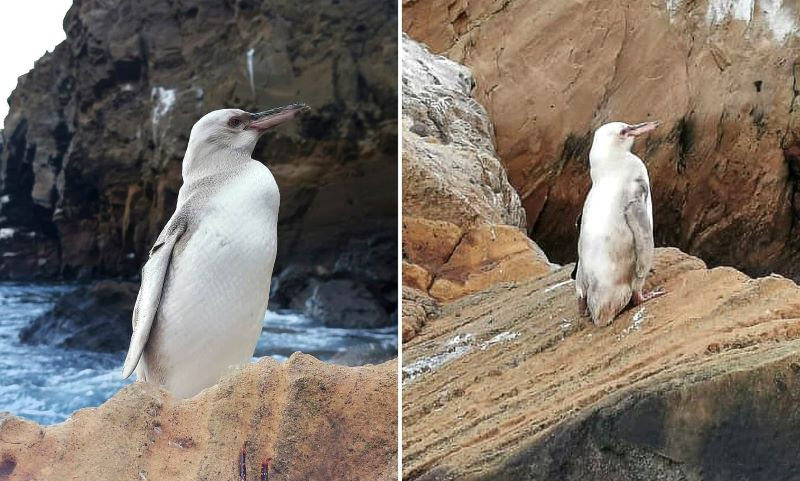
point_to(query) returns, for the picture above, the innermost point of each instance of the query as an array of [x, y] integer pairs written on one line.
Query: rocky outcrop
[[721, 77], [462, 220], [448, 262], [701, 383], [95, 317], [96, 132], [315, 421], [448, 147], [418, 307]]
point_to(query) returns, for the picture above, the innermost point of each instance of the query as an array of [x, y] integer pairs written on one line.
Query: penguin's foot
[[639, 297], [583, 308], [243, 466], [243, 463]]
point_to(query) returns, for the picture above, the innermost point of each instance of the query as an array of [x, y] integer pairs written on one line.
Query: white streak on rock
[[777, 17], [165, 100], [454, 348], [636, 323], [556, 286], [250, 74], [672, 7], [780, 20], [719, 10], [6, 233], [502, 337]]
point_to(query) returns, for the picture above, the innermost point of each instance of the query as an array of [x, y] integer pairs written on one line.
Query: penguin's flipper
[[154, 273], [578, 228], [637, 216]]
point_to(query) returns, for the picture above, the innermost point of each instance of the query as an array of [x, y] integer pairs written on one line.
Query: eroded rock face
[[721, 77], [96, 132], [462, 220], [679, 388], [315, 420], [450, 169]]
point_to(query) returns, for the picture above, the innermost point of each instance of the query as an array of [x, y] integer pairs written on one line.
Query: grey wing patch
[[638, 219], [154, 274]]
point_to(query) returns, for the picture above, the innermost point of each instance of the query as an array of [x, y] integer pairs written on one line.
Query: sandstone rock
[[416, 277], [429, 243], [723, 83], [316, 421], [96, 317], [488, 255], [96, 131], [448, 147], [461, 217], [701, 383], [447, 262], [418, 308]]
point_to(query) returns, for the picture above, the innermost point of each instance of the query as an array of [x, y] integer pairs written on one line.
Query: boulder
[[720, 76], [447, 262], [95, 317], [341, 303], [700, 383], [418, 309], [364, 274], [314, 420], [488, 255]]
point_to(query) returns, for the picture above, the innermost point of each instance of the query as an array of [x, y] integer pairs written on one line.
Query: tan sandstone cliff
[[721, 76], [501, 377]]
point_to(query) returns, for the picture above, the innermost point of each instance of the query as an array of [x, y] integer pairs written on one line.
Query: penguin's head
[[616, 136], [237, 130]]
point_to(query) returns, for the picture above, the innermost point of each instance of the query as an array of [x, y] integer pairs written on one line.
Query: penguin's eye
[[234, 122]]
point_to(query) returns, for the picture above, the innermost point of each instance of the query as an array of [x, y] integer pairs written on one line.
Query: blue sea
[[47, 384]]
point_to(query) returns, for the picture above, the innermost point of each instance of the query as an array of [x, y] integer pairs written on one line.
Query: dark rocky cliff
[[96, 132]]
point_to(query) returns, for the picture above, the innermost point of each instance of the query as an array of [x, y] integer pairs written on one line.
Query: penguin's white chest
[[210, 316], [605, 247]]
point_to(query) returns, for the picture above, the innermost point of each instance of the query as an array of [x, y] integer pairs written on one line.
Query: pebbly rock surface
[[314, 420], [92, 145], [721, 76], [701, 383], [95, 317]]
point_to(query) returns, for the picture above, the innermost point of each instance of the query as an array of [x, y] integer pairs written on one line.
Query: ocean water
[[47, 384]]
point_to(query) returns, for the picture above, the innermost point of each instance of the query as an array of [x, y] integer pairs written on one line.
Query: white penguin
[[615, 245], [205, 287]]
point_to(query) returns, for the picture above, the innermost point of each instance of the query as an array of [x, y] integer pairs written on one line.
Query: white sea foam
[[6, 233]]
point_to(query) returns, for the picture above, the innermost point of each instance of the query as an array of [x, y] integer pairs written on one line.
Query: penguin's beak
[[639, 129], [270, 118]]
